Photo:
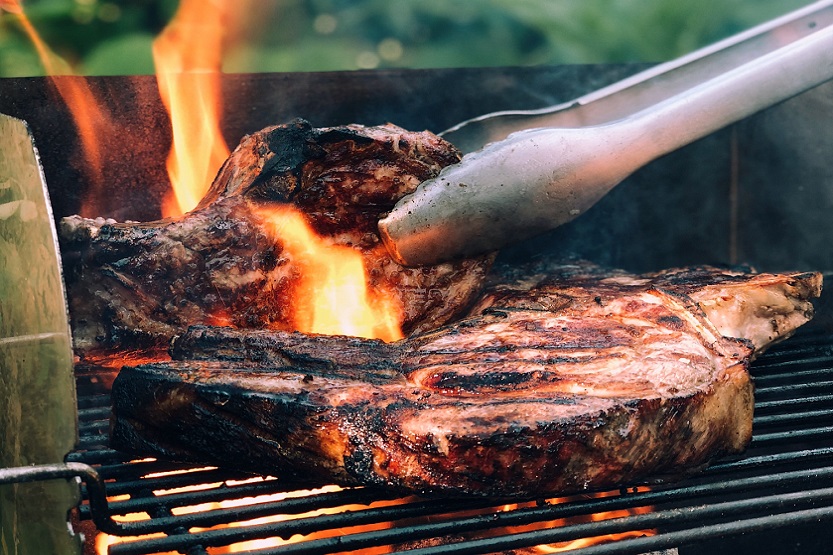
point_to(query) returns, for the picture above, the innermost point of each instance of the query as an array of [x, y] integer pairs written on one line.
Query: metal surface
[[538, 179], [37, 395], [785, 479], [648, 87], [95, 492]]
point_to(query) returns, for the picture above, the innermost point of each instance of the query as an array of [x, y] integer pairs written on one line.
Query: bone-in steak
[[585, 379], [137, 284]]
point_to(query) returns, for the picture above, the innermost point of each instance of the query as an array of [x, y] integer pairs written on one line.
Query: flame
[[11, 6], [264, 543], [93, 124], [188, 59], [332, 296], [104, 541], [561, 547]]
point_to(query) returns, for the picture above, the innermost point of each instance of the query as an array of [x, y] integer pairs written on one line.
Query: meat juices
[[576, 379]]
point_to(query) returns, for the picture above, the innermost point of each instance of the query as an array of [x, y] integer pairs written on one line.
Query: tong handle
[[538, 179], [649, 87]]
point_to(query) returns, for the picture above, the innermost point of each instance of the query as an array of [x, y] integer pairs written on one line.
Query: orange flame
[[11, 6], [561, 547], [104, 541], [188, 58], [251, 545], [332, 296], [92, 123]]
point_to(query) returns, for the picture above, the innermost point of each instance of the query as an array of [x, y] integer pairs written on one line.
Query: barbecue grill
[[762, 195]]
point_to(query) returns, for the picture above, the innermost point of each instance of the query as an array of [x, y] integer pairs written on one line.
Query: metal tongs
[[542, 168]]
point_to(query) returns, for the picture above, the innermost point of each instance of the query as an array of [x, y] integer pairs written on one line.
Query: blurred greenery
[[108, 37]]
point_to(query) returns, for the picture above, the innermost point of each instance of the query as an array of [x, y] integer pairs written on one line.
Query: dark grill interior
[[785, 478]]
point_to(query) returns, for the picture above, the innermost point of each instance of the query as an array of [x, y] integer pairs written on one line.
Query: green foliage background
[[110, 37]]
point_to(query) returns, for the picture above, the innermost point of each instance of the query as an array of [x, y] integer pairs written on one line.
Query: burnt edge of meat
[[160, 411], [287, 148], [138, 284], [232, 413], [311, 354]]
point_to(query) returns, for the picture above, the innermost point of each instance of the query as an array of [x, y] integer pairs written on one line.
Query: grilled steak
[[139, 284], [586, 379]]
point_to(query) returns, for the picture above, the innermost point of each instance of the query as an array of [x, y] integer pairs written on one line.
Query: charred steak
[[138, 284], [586, 379]]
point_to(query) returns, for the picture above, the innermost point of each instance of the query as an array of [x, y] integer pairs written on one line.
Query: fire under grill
[[784, 479]]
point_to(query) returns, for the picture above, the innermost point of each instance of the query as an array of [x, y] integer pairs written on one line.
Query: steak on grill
[[581, 380], [137, 284]]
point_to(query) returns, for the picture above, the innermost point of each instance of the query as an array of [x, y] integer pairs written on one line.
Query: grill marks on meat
[[139, 284], [762, 308], [589, 381]]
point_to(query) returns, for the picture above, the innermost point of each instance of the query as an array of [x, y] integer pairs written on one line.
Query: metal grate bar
[[98, 456], [797, 389], [99, 413], [249, 512], [788, 404], [771, 364], [810, 434], [804, 417], [517, 517], [797, 349], [701, 514], [91, 442], [764, 461], [93, 401], [632, 546], [765, 381], [286, 529], [133, 487], [141, 468], [218, 494]]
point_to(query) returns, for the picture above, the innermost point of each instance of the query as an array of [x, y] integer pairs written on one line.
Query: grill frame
[[785, 479]]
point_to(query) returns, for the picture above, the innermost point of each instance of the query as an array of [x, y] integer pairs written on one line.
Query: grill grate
[[785, 478]]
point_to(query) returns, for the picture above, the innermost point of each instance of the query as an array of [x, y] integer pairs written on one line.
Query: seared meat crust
[[139, 284], [589, 381]]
